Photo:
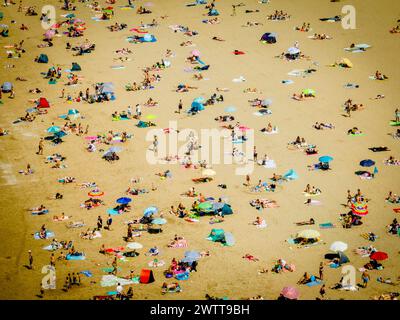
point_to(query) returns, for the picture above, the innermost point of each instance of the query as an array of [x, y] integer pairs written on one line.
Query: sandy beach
[[224, 273]]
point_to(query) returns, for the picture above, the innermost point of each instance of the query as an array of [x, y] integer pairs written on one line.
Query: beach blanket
[[49, 234], [41, 212], [180, 244], [269, 164], [87, 273], [111, 280], [327, 225], [313, 283], [113, 212], [76, 257]]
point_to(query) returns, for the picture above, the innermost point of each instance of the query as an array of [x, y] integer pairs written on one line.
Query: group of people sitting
[[278, 15], [117, 27], [391, 161], [92, 203], [305, 27], [393, 198]]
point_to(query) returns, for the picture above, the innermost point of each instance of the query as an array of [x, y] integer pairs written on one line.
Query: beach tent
[[216, 235], [226, 209], [43, 103], [107, 87], [76, 67], [6, 87], [291, 175], [269, 37], [43, 58], [146, 276]]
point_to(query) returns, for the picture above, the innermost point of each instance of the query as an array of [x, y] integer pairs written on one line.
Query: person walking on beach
[[30, 259], [397, 115], [52, 260], [365, 277], [138, 111], [109, 222], [99, 223], [180, 106], [233, 10], [321, 271], [322, 291], [62, 93], [40, 147], [255, 154]]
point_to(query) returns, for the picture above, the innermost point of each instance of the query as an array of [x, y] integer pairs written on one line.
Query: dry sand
[[224, 273]]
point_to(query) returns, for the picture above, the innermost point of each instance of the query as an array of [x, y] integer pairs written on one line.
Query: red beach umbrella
[[379, 255]]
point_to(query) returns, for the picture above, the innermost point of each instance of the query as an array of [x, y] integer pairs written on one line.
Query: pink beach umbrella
[[290, 293], [49, 34], [196, 53]]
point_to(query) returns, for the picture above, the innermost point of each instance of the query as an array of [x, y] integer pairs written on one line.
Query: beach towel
[[394, 123], [240, 79], [87, 273], [111, 280], [315, 203], [38, 213], [76, 257], [49, 234], [180, 244], [351, 86], [313, 283], [113, 212], [117, 67], [182, 276], [327, 225], [269, 164]]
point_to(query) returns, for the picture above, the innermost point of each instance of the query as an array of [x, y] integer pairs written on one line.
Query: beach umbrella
[[290, 293], [325, 159], [149, 211], [199, 99], [49, 34], [309, 91], [308, 234], [208, 172], [196, 53], [134, 245], [95, 193], [60, 134], [159, 221], [31, 110], [338, 246], [230, 109], [205, 205], [379, 255], [218, 205], [293, 50], [73, 112], [114, 149], [147, 37], [191, 256], [266, 102], [347, 62], [53, 129], [367, 163], [124, 200]]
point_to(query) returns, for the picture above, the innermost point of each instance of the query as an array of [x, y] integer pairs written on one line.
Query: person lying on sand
[[354, 130], [380, 76], [321, 126], [306, 223], [250, 257]]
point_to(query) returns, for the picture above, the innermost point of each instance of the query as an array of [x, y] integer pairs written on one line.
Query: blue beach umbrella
[[325, 159], [199, 99], [150, 211], [124, 200], [367, 163], [159, 221], [53, 129], [73, 111]]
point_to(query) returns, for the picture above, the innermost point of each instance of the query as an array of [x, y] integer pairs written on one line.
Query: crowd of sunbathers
[[278, 15]]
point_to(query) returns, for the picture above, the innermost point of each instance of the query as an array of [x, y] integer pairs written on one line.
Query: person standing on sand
[[62, 93], [40, 148], [52, 260], [365, 278], [30, 258], [322, 291], [233, 10], [397, 115], [321, 271], [180, 106], [155, 144], [109, 222], [255, 154], [99, 223]]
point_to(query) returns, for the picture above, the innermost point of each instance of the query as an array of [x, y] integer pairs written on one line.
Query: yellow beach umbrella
[[308, 234]]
